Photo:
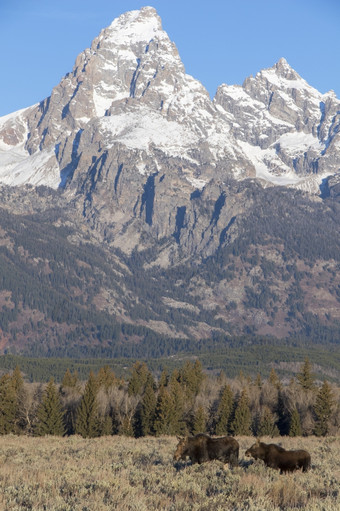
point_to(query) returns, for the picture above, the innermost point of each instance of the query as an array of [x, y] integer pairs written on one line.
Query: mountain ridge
[[208, 212], [121, 67]]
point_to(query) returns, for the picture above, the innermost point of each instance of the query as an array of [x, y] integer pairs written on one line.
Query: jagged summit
[[128, 93], [284, 69], [134, 26]]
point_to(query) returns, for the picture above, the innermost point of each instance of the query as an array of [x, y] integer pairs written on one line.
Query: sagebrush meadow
[[115, 472]]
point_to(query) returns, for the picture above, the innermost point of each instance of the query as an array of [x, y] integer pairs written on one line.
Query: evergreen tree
[[242, 417], [49, 413], [200, 421], [164, 379], [266, 425], [126, 427], [178, 425], [147, 411], [283, 415], [323, 409], [17, 380], [295, 423], [21, 395], [164, 414], [221, 379], [107, 426], [87, 422], [69, 380], [70, 391], [106, 378], [258, 381], [224, 411], [140, 375], [191, 377], [305, 377], [274, 379], [8, 405]]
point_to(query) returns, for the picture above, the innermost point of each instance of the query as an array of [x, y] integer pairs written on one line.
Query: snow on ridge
[[41, 168], [15, 115], [196, 182], [299, 141], [284, 177], [281, 82], [146, 128], [101, 103], [134, 27]]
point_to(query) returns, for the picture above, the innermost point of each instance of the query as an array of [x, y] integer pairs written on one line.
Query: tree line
[[183, 401]]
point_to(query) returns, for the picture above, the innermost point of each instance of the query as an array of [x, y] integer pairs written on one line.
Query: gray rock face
[[140, 148], [288, 129]]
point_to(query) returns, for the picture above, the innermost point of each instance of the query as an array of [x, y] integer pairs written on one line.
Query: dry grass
[[108, 473]]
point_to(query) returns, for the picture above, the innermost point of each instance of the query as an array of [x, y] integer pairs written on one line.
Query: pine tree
[[8, 405], [49, 413], [164, 414], [107, 426], [87, 422], [200, 421], [191, 377], [178, 426], [106, 377], [21, 396], [242, 417], [305, 377], [258, 381], [17, 380], [266, 425], [221, 379], [70, 380], [70, 391], [274, 379], [323, 409], [126, 427], [140, 375], [147, 411], [164, 379], [283, 414], [295, 423], [224, 411]]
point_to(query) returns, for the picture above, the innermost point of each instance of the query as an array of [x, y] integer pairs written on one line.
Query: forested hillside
[[67, 292]]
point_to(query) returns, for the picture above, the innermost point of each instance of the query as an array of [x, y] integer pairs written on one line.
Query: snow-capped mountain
[[166, 214], [287, 128], [130, 90]]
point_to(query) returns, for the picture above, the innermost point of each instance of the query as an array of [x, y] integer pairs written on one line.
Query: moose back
[[201, 448], [275, 456]]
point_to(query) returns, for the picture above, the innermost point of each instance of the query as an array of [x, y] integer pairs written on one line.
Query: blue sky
[[219, 41]]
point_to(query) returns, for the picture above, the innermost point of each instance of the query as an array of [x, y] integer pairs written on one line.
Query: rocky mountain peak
[[283, 69], [133, 26], [128, 94], [120, 64]]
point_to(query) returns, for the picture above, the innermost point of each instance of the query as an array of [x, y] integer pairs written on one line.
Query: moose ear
[[179, 438], [258, 440]]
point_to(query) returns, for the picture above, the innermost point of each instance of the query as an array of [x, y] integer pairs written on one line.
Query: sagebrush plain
[[116, 472]]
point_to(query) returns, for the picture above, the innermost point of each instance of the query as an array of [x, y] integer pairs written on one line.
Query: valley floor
[[108, 473]]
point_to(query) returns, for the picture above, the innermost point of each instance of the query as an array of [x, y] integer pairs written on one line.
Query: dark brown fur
[[201, 448], [277, 457]]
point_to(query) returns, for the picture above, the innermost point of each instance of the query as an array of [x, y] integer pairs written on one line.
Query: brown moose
[[201, 448], [277, 457]]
